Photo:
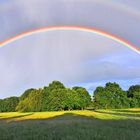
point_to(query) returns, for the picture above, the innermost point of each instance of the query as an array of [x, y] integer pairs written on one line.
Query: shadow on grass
[[70, 126]]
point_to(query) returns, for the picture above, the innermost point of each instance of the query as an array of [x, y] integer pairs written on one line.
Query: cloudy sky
[[73, 57]]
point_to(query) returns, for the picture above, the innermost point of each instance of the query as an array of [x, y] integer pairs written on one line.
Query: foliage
[[134, 94], [56, 85], [110, 96], [9, 104], [56, 96], [32, 103], [53, 98], [84, 98], [26, 93]]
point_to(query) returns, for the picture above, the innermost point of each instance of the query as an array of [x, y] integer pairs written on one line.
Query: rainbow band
[[76, 28]]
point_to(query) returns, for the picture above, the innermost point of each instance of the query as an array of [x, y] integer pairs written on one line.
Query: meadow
[[118, 124]]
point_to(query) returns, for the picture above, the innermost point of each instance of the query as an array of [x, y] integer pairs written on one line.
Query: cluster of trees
[[56, 97], [9, 104], [113, 97]]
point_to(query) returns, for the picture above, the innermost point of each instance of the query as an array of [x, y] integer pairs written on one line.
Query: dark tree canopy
[[133, 94], [9, 104]]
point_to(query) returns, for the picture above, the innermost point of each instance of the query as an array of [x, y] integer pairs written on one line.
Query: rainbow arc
[[76, 28]]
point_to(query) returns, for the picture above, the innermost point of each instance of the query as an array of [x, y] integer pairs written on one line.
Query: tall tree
[[133, 94], [84, 97], [9, 104], [26, 93], [32, 103], [56, 85], [110, 96]]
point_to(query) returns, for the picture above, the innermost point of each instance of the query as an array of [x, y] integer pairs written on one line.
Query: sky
[[73, 57]]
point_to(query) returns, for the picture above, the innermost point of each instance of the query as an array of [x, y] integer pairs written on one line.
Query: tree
[[56, 97], [55, 100], [2, 109], [134, 91], [134, 94], [49, 93], [26, 93], [56, 85], [32, 102], [84, 97], [60, 99], [9, 104], [110, 96], [102, 98]]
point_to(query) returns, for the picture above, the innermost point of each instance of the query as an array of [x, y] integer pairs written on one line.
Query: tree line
[[53, 97], [112, 96], [56, 96]]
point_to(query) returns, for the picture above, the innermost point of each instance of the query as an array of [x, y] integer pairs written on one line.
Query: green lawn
[[71, 125]]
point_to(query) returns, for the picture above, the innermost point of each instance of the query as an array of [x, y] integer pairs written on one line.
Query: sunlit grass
[[99, 114], [11, 114]]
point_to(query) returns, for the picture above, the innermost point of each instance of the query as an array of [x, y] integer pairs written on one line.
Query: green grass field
[[121, 124]]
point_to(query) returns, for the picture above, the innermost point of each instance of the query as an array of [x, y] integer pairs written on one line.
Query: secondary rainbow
[[75, 28]]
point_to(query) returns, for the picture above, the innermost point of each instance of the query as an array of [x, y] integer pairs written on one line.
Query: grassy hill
[[117, 124]]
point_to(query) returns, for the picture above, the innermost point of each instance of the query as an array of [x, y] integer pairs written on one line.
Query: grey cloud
[[69, 56], [118, 18], [74, 57]]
